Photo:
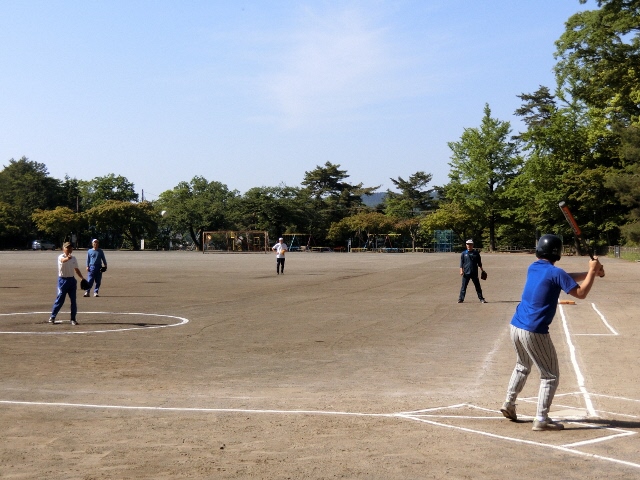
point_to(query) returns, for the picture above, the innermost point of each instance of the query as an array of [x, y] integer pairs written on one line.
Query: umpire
[[470, 261]]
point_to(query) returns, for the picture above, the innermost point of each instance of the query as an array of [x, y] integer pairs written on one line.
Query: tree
[[452, 216], [134, 221], [626, 183], [110, 187], [599, 54], [413, 198], [369, 223], [410, 226], [9, 228], [274, 209], [25, 186], [197, 206], [331, 198], [69, 194], [569, 154], [483, 163], [57, 223]]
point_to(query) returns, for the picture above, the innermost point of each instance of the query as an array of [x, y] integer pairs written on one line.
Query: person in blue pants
[[96, 264], [67, 283]]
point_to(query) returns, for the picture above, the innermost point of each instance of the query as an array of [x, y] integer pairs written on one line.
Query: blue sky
[[255, 93]]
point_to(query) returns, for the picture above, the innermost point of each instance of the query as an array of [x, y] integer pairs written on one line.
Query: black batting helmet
[[549, 247]]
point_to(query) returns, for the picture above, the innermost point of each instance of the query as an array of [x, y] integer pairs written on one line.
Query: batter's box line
[[613, 333], [567, 448], [534, 400], [427, 412]]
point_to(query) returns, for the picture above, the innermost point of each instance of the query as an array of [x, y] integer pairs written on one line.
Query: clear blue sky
[[255, 93]]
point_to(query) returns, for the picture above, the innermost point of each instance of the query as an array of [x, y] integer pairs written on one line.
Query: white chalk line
[[579, 377], [614, 397], [624, 433], [417, 415], [181, 321], [534, 400], [561, 448], [604, 320], [606, 324]]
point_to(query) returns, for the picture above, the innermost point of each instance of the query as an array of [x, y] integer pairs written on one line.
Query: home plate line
[[415, 416]]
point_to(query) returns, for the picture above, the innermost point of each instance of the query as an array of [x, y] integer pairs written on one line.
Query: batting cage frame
[[234, 241]]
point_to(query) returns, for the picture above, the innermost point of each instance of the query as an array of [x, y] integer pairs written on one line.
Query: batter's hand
[[596, 267]]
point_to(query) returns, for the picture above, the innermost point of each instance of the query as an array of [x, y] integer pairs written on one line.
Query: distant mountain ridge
[[374, 199]]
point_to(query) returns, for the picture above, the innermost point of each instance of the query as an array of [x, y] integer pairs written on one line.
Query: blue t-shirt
[[539, 301], [96, 257]]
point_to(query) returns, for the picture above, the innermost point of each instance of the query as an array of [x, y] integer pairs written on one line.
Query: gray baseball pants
[[537, 349]]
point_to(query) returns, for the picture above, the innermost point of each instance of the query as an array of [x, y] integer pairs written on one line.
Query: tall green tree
[[331, 197], [9, 225], [483, 162], [413, 197], [276, 210], [109, 187], [25, 186], [569, 153], [70, 195], [132, 221], [197, 206], [626, 183], [598, 58]]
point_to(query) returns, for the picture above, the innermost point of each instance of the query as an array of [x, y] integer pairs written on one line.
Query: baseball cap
[[469, 241]]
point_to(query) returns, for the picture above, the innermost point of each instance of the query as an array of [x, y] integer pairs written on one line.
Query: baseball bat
[[576, 229]]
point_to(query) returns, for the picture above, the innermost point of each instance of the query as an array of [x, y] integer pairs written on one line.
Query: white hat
[[469, 241], [280, 239]]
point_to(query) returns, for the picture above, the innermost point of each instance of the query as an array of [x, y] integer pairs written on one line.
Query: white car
[[43, 245]]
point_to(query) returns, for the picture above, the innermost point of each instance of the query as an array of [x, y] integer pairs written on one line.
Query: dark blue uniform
[[470, 260]]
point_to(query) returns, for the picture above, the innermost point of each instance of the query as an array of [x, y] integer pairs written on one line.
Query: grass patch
[[629, 256]]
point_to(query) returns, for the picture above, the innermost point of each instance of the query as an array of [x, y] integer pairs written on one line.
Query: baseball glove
[[483, 275], [84, 285], [103, 269]]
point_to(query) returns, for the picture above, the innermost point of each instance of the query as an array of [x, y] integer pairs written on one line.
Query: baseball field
[[347, 366]]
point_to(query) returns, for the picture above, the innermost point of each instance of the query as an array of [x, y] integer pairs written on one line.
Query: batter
[[530, 327]]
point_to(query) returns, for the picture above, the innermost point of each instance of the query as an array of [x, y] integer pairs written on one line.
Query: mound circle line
[[181, 321]]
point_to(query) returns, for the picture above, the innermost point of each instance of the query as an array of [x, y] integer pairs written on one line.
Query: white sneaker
[[96, 294], [547, 424], [509, 411]]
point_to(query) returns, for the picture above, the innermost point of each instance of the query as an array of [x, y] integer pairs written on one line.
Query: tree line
[[581, 144]]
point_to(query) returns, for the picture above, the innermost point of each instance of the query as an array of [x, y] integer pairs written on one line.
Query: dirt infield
[[348, 366]]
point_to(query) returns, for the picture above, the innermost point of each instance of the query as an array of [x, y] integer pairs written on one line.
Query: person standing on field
[[96, 264], [67, 283], [470, 261], [280, 248], [530, 327]]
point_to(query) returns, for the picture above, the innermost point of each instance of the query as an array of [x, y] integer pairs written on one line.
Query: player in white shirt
[[280, 248], [67, 283]]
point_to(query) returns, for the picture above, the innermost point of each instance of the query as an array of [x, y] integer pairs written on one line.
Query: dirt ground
[[194, 365]]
